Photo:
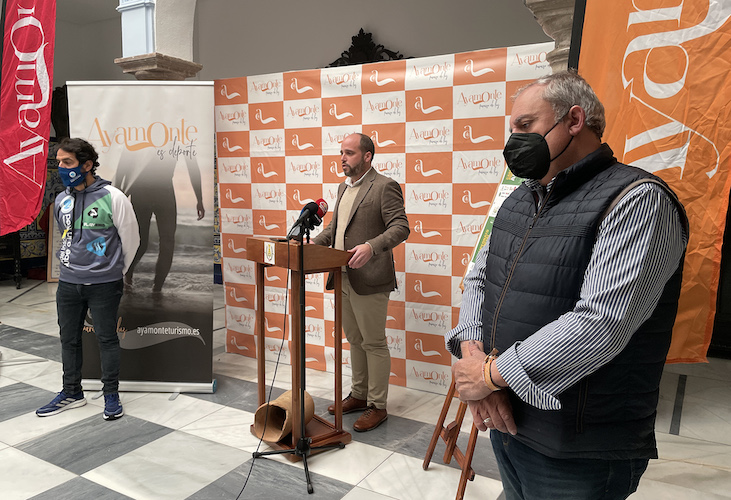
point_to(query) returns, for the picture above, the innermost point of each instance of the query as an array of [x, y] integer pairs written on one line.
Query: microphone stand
[[302, 448]]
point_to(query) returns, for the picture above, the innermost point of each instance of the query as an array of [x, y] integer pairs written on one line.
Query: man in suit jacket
[[369, 221]]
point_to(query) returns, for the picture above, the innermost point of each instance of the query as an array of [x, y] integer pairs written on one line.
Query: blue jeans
[[529, 475], [72, 303]]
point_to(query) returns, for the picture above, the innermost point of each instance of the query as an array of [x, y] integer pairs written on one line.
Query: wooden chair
[[449, 435]]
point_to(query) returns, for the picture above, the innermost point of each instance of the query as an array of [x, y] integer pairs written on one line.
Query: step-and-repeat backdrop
[[439, 125]]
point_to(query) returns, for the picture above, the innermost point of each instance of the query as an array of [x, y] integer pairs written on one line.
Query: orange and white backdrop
[[439, 125], [662, 70]]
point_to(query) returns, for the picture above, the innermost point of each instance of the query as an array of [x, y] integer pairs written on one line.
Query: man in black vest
[[574, 299]]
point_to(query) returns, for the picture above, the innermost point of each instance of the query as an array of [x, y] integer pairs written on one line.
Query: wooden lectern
[[317, 259]]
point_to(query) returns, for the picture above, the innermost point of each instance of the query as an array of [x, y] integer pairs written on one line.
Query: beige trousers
[[364, 324]]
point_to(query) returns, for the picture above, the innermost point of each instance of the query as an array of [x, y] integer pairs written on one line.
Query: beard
[[354, 170]]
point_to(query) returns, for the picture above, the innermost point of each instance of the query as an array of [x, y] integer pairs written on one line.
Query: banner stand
[[133, 386], [154, 144]]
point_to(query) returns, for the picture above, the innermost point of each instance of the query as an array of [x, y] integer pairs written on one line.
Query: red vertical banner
[[662, 70], [25, 108]]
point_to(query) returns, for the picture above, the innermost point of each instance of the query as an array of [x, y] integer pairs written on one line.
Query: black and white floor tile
[[198, 446]]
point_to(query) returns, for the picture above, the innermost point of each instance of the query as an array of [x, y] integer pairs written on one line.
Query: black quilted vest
[[534, 275]]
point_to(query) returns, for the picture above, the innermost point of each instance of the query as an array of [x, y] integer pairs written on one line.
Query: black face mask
[[528, 156]]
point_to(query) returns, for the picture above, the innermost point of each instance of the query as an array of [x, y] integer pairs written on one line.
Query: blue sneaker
[[112, 406], [62, 402]]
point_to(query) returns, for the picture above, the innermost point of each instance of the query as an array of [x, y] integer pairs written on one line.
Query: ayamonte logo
[[304, 167], [304, 111], [469, 228], [419, 228], [529, 59], [231, 167], [438, 376], [494, 95], [479, 164], [264, 224], [374, 78], [470, 68], [273, 141], [238, 116], [152, 135], [427, 196], [432, 133], [429, 256], [388, 166], [467, 200], [334, 139], [438, 70], [294, 85], [419, 167], [32, 89], [265, 86], [394, 105], [343, 79], [276, 193], [425, 109]]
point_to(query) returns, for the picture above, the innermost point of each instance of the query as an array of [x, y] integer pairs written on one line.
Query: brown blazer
[[378, 217]]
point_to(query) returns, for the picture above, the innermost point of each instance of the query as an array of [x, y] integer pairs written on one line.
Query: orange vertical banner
[[662, 70]]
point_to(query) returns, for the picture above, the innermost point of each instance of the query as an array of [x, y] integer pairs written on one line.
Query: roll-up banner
[[156, 143], [29, 30], [439, 126], [663, 72]]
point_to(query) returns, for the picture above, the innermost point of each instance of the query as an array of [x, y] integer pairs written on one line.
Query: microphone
[[321, 208], [310, 217]]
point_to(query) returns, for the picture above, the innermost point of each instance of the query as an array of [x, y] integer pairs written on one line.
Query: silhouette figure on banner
[[147, 177]]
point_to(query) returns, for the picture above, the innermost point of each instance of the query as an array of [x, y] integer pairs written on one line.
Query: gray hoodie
[[99, 233]]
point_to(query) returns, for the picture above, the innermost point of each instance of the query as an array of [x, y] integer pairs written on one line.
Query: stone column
[[157, 39], [556, 17]]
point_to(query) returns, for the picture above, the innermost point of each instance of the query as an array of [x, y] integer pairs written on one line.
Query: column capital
[[556, 17], [158, 66]]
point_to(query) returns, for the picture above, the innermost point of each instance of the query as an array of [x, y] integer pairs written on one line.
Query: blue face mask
[[71, 177]]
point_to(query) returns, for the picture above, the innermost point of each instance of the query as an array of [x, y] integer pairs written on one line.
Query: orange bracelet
[[486, 375]]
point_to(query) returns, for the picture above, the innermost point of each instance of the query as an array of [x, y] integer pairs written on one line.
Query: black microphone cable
[[274, 375]]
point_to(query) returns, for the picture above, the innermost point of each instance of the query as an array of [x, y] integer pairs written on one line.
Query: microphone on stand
[[310, 217]]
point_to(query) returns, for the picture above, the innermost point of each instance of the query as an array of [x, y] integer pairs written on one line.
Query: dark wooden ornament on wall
[[364, 50]]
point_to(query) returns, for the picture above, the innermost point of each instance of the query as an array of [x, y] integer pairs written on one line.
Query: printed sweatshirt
[[99, 233]]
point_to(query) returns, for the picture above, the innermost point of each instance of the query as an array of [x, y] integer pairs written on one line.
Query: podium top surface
[[286, 254]]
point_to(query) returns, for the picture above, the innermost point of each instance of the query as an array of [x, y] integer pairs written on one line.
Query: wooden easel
[[449, 435]]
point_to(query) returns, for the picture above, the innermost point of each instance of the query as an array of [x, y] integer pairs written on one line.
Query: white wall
[[241, 38], [244, 37], [87, 51]]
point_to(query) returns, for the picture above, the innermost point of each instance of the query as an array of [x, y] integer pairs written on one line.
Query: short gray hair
[[566, 89]]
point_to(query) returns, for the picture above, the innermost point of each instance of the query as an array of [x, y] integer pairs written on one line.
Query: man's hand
[[495, 407], [361, 254], [201, 211], [467, 375]]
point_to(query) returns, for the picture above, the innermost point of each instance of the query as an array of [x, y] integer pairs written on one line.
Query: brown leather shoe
[[350, 404], [371, 418]]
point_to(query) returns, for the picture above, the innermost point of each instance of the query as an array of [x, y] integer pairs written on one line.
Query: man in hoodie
[[99, 238]]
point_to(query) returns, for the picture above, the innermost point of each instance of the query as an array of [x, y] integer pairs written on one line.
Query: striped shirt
[[638, 247]]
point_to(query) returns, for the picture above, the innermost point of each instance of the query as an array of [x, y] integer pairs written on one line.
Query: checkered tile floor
[[199, 446]]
